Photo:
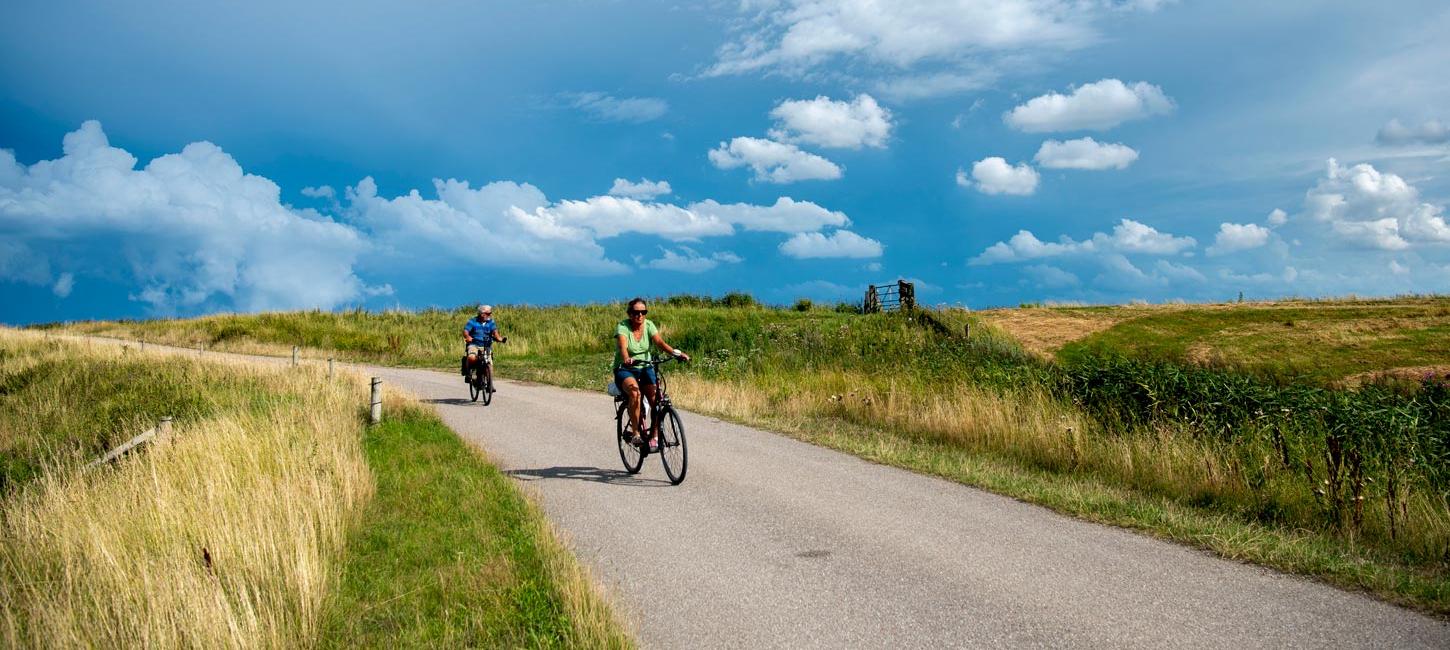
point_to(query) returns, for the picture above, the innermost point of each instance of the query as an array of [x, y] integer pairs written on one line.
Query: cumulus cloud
[[993, 175], [193, 232], [1084, 153], [934, 84], [796, 35], [841, 243], [320, 192], [686, 260], [785, 215], [773, 162], [1128, 236], [1050, 277], [1427, 132], [607, 108], [644, 189], [1277, 218], [1234, 237], [190, 229], [830, 123], [1096, 106], [1366, 207]]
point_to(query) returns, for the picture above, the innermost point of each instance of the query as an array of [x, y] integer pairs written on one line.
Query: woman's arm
[[660, 341], [624, 349]]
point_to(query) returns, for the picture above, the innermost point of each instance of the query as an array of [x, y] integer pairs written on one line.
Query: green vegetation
[[52, 412], [1320, 342], [449, 554], [1348, 485], [257, 524]]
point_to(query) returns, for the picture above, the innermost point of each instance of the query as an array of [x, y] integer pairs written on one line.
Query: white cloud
[[607, 108], [1050, 277], [644, 189], [785, 215], [796, 35], [320, 192], [1084, 153], [1233, 237], [1427, 132], [773, 162], [63, 285], [1366, 207], [1095, 106], [1128, 236], [1398, 269], [842, 243], [689, 261], [190, 229], [994, 175], [829, 123], [1277, 218], [935, 84], [611, 216]]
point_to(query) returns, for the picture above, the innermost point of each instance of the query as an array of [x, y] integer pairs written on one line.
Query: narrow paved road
[[771, 542]]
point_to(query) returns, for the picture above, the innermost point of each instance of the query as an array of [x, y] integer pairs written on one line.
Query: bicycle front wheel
[[473, 388], [486, 390], [672, 446], [628, 451]]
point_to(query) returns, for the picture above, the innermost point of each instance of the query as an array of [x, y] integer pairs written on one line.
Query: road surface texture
[[771, 542]]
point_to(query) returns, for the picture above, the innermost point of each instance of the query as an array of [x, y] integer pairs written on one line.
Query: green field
[[1267, 462]]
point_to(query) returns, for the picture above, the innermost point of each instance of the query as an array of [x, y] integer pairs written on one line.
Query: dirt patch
[[1043, 330], [1409, 373]]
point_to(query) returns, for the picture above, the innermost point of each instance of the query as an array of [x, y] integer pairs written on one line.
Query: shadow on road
[[594, 474], [451, 401]]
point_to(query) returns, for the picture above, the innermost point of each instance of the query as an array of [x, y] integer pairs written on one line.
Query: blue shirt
[[482, 333]]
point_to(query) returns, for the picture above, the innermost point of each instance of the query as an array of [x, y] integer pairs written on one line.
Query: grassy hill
[[1108, 413]]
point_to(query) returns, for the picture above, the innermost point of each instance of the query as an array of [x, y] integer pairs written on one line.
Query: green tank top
[[638, 349]]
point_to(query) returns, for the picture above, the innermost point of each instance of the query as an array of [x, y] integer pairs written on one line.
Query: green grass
[[450, 554]]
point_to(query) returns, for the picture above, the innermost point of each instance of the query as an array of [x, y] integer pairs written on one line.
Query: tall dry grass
[[226, 536]]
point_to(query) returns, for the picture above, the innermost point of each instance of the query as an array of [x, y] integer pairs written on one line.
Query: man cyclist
[[479, 333], [636, 336]]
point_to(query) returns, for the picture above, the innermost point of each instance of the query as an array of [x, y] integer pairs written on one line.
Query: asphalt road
[[771, 542]]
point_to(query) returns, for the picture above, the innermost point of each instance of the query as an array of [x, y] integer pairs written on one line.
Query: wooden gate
[[896, 296]]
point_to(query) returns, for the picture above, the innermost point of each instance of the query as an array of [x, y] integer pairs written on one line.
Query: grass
[[1351, 486], [449, 554], [226, 536], [272, 519]]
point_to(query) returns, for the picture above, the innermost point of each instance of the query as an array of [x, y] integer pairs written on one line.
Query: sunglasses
[[638, 312]]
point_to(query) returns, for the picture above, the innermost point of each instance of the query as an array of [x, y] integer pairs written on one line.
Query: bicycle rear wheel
[[486, 390], [628, 452], [672, 445]]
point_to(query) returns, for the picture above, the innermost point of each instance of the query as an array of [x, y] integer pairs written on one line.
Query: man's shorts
[[645, 375], [474, 348]]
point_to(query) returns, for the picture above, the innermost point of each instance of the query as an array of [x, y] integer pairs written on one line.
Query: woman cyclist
[[635, 336]]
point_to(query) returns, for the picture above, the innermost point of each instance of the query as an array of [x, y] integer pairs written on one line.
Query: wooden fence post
[[377, 397], [967, 330], [329, 368], [294, 356]]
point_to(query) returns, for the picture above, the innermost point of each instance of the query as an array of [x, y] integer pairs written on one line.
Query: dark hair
[[636, 301]]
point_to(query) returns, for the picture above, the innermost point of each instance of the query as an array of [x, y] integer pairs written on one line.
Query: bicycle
[[672, 449], [480, 376]]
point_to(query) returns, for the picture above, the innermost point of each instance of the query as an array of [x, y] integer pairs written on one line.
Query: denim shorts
[[645, 375]]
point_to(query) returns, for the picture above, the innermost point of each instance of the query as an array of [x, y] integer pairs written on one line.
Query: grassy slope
[[878, 384], [1324, 341], [451, 555], [448, 552]]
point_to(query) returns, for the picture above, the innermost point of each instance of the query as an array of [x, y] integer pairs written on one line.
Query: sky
[[168, 158]]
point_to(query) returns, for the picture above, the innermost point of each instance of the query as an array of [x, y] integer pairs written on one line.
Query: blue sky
[[165, 158]]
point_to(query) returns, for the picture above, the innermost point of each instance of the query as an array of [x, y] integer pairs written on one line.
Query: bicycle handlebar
[[640, 363]]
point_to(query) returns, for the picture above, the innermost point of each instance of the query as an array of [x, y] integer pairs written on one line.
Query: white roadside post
[[329, 367], [294, 356], [377, 411]]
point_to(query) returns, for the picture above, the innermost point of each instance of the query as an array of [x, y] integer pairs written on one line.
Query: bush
[[803, 304], [736, 299]]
